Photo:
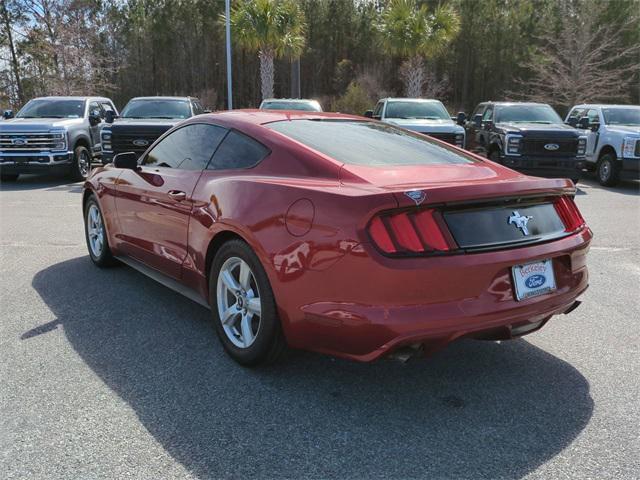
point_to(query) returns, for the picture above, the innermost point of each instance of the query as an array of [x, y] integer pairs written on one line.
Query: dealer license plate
[[533, 279]]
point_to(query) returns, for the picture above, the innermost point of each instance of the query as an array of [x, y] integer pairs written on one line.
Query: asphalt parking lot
[[105, 374]]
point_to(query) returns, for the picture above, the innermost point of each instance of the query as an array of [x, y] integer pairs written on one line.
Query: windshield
[[51, 108], [422, 110], [378, 144], [527, 114], [157, 109], [622, 116], [304, 106]]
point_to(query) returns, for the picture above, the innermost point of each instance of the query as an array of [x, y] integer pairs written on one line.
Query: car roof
[[603, 105], [62, 97], [296, 100], [508, 104], [250, 117], [160, 97], [409, 99]]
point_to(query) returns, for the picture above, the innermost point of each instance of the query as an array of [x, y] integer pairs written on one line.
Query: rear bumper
[[551, 167], [367, 306], [11, 162]]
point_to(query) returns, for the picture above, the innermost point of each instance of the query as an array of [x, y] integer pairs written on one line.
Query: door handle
[[177, 195]]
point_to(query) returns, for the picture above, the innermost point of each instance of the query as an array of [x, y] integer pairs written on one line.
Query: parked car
[[528, 137], [613, 140], [339, 234], [53, 134], [143, 120], [419, 115], [302, 104]]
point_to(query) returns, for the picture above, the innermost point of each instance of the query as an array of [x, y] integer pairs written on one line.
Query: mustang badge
[[417, 196], [520, 221]]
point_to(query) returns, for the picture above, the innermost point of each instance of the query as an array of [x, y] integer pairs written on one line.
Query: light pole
[[227, 14]]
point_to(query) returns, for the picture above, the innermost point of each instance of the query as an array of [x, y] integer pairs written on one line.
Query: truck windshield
[[311, 106], [526, 114], [157, 109], [52, 108], [421, 110], [368, 143], [622, 116]]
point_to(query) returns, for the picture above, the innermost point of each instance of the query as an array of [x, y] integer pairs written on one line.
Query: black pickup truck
[[142, 121], [529, 137]]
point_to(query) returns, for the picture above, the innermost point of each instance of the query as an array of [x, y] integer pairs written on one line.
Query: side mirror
[[94, 117], [583, 123], [126, 160], [572, 122], [595, 126], [110, 116], [477, 120], [7, 114], [488, 124], [461, 118], [368, 114]]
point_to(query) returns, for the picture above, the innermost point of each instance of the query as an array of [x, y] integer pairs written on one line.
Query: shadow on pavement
[[625, 187], [476, 410]]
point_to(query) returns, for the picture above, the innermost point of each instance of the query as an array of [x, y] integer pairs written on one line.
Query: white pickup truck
[[613, 140]]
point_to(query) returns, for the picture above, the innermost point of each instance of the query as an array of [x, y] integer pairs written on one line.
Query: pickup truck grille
[[445, 137], [123, 140], [566, 147], [27, 142]]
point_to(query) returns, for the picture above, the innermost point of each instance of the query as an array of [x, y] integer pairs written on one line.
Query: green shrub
[[355, 100]]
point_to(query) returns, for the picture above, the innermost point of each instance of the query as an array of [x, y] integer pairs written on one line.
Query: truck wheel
[[607, 171], [81, 165], [9, 177], [494, 156]]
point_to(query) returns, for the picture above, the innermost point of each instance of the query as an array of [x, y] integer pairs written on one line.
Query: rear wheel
[[96, 235], [243, 306], [607, 170], [9, 177], [81, 165]]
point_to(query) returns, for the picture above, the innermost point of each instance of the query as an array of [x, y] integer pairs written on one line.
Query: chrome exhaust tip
[[406, 353]]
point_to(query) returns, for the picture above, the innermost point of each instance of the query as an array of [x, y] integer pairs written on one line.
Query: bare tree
[[584, 60], [10, 13]]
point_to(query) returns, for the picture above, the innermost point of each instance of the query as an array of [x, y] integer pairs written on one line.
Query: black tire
[[81, 165], [269, 345], [607, 170], [9, 177], [104, 258], [494, 156]]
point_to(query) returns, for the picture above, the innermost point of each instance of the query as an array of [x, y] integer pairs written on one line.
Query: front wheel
[[607, 170], [243, 306], [494, 156], [96, 235], [81, 165]]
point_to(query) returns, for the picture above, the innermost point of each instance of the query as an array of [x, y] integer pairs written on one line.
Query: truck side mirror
[[583, 123], [126, 160], [461, 118], [572, 121], [368, 114], [7, 114], [94, 117], [477, 120], [110, 116]]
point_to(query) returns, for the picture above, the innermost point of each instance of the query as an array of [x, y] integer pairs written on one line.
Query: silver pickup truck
[[53, 134]]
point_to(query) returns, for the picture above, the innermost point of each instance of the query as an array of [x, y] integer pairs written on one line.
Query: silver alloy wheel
[[83, 163], [95, 230], [605, 170], [238, 302]]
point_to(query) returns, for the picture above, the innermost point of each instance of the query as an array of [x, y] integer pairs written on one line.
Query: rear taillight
[[413, 232], [569, 214]]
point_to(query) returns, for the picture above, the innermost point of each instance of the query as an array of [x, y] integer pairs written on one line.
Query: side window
[[188, 148], [479, 110], [238, 151], [576, 113], [378, 110], [488, 114], [197, 108], [593, 116]]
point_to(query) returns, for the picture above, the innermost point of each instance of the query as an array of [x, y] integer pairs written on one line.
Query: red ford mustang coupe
[[339, 234]]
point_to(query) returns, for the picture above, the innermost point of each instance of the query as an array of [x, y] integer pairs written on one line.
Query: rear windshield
[[368, 143], [280, 105]]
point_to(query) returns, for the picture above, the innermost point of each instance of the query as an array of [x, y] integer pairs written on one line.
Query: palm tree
[[415, 34], [273, 28]]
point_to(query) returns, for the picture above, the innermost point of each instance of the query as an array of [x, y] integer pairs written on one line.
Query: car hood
[[424, 125], [450, 183], [38, 124], [623, 129], [143, 122], [555, 130]]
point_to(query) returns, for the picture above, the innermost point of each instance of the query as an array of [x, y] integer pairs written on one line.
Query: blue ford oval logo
[[19, 141], [140, 143], [535, 281], [552, 146]]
